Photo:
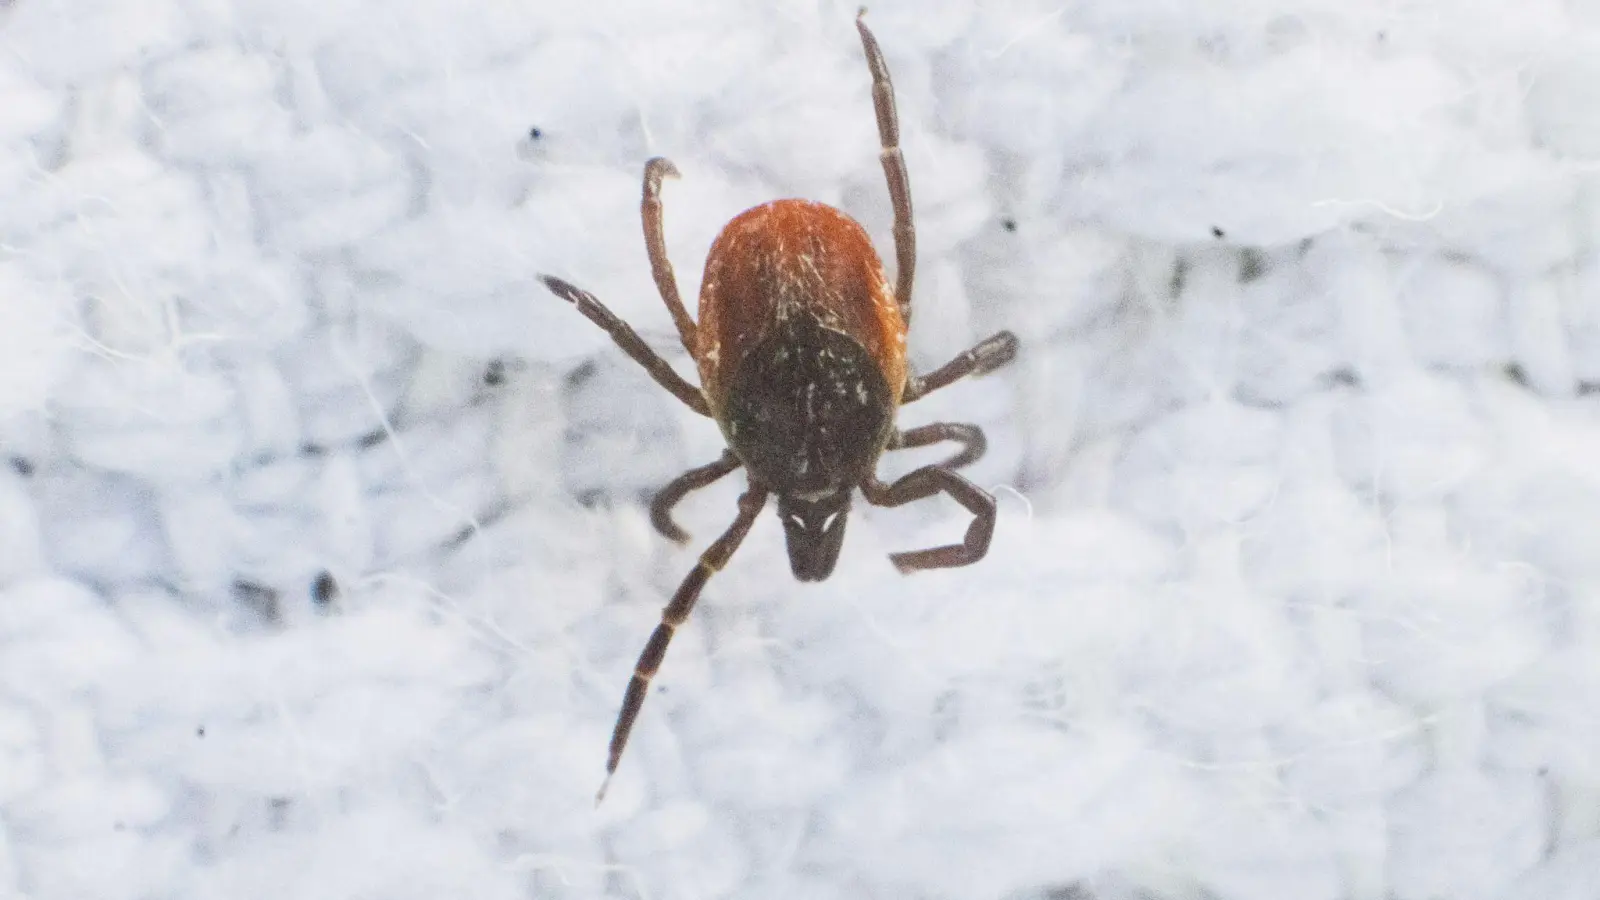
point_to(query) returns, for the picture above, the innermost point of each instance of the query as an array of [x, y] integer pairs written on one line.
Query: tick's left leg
[[655, 244], [630, 342], [675, 614]]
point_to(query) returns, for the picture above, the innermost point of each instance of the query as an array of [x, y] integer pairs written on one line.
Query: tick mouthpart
[[814, 532]]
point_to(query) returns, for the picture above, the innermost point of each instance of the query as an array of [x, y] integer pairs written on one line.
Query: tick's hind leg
[[970, 437], [676, 612], [988, 355], [925, 482], [630, 342], [655, 244], [678, 488]]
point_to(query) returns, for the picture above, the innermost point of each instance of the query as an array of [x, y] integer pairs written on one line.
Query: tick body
[[802, 358], [801, 350]]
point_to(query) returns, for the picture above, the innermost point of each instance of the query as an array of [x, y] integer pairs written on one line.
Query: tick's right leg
[[970, 437], [630, 342], [678, 488], [925, 482], [990, 354]]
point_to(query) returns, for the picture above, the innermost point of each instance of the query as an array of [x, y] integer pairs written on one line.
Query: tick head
[[814, 531]]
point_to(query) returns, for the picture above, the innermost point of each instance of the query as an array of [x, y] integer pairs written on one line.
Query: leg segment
[[925, 482], [655, 244], [676, 612], [894, 169], [970, 437], [630, 342], [990, 354], [678, 488]]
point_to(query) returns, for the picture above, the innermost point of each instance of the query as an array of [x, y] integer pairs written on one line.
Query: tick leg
[[894, 169], [630, 342], [656, 245], [678, 488], [990, 354], [925, 482], [970, 437], [675, 613]]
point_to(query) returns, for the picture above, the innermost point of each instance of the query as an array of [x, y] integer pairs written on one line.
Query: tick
[[801, 350]]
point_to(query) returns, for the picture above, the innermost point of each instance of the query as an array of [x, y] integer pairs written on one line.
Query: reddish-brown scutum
[[794, 257]]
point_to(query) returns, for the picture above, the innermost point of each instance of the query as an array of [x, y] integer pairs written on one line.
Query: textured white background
[[1296, 588]]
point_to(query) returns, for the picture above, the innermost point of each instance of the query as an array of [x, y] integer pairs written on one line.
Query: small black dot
[[200, 732], [1344, 378], [258, 598], [1009, 224], [1252, 264], [534, 133], [580, 376], [1217, 232], [494, 374], [1516, 374], [324, 589], [22, 465]]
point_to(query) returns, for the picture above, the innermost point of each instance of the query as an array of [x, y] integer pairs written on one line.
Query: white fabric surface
[[323, 554]]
